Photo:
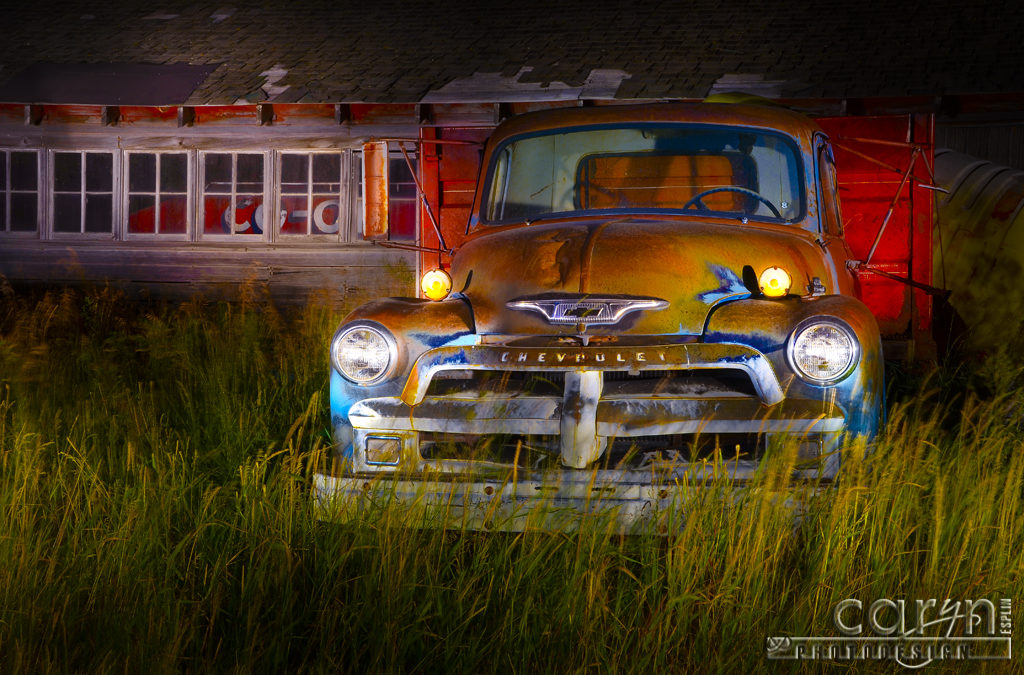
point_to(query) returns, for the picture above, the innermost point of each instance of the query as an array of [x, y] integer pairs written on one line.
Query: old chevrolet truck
[[645, 297]]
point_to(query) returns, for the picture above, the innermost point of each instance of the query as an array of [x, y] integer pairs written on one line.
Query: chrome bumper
[[589, 499]]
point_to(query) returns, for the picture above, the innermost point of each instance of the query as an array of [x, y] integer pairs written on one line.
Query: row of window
[[190, 195]]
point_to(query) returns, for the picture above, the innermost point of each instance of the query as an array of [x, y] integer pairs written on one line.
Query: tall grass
[[156, 516]]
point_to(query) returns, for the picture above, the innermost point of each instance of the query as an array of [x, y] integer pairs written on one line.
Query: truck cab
[[646, 297]]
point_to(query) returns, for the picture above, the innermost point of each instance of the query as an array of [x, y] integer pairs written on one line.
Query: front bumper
[[597, 500]]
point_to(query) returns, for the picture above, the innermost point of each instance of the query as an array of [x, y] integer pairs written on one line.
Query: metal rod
[[892, 206], [930, 290], [879, 141], [423, 199], [431, 141], [869, 158], [407, 247], [928, 168], [895, 144]]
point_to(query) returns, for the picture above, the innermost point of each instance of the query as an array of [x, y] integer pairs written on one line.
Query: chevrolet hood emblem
[[590, 310]]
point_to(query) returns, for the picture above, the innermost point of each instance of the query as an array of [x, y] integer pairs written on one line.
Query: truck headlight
[[363, 353], [823, 351]]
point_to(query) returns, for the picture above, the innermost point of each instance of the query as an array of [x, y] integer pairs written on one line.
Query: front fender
[[417, 325], [768, 326]]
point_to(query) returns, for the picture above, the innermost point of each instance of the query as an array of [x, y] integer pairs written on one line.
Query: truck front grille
[[538, 453], [706, 382]]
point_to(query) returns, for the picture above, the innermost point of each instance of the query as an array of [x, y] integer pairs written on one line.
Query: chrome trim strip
[[613, 418], [667, 357]]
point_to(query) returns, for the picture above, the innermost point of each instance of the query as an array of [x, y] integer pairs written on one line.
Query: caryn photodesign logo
[[911, 633]]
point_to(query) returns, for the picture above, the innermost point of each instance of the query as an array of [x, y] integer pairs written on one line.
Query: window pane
[[99, 172], [24, 170], [24, 213], [218, 173], [3, 170], [3, 209], [298, 215], [402, 191], [326, 214], [250, 172], [216, 214], [174, 172], [398, 170], [402, 215], [98, 213], [141, 214], [67, 213], [142, 173], [173, 214], [400, 179], [248, 215], [67, 172], [326, 172], [294, 174]]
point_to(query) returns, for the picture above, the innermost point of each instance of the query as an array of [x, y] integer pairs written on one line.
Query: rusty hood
[[692, 264]]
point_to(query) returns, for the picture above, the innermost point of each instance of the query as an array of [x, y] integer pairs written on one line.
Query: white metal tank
[[979, 247]]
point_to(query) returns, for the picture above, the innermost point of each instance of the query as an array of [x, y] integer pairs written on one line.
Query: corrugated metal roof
[[322, 51]]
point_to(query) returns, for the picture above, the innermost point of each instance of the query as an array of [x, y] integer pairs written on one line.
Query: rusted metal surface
[[482, 385], [676, 256], [375, 190]]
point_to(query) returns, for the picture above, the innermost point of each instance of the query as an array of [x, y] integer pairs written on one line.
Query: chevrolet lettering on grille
[[582, 357]]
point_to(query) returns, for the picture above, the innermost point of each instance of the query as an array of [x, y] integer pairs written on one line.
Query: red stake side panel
[[872, 156]]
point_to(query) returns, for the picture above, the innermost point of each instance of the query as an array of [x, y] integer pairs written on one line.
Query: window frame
[[270, 192], [346, 194], [828, 189], [8, 191], [126, 194], [116, 189], [266, 235], [487, 179]]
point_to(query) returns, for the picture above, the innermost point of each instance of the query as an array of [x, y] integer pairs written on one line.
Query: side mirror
[[375, 190]]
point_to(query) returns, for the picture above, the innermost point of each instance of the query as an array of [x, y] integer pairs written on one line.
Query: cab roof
[[733, 114]]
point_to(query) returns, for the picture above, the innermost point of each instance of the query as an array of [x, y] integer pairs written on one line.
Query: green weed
[[156, 516]]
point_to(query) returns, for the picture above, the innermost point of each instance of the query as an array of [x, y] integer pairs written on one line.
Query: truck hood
[[692, 264]]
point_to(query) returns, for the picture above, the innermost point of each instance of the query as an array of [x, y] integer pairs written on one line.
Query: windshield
[[722, 170]]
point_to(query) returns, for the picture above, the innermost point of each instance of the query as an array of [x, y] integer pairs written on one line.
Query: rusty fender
[[767, 326], [418, 326]]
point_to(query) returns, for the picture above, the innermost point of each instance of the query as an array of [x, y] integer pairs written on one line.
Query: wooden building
[[191, 146]]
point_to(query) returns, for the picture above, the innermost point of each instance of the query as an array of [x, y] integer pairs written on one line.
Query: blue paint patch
[[340, 401], [432, 340], [456, 359], [766, 344], [341, 404], [731, 286], [463, 340]]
